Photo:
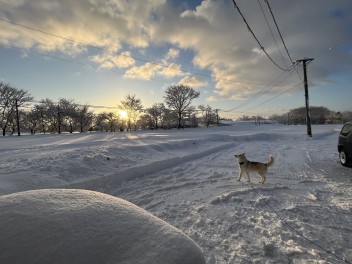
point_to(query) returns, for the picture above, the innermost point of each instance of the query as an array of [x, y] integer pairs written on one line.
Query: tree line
[[297, 116], [318, 115], [66, 115]]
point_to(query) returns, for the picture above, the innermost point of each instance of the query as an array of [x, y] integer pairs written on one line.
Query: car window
[[346, 129]]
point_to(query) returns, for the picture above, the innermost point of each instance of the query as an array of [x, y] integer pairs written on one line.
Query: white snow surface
[[188, 178], [79, 226]]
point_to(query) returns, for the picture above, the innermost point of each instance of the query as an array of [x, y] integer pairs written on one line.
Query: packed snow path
[[188, 178], [302, 210]]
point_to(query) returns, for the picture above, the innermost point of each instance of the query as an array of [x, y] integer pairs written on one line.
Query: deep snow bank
[[78, 226]]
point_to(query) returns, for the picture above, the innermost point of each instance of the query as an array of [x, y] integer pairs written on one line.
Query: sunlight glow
[[123, 114]]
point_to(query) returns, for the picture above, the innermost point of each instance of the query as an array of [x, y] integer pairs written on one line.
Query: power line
[[71, 61], [122, 54], [334, 47], [260, 45], [266, 89], [272, 34], [282, 39], [272, 98], [299, 233], [277, 27]]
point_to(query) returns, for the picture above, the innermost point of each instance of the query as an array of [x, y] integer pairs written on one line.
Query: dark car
[[345, 144]]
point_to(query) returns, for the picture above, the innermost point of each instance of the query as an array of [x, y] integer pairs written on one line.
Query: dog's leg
[[262, 177], [240, 176], [248, 179]]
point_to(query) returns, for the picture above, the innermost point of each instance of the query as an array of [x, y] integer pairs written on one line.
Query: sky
[[98, 52]]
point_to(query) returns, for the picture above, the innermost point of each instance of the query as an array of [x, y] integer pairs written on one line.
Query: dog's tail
[[271, 161]]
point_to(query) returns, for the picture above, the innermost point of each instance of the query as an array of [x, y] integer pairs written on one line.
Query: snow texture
[[78, 226], [188, 178]]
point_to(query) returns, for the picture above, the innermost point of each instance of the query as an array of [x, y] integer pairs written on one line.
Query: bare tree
[[133, 107], [10, 98], [50, 113], [156, 112], [208, 114], [84, 117], [179, 98], [101, 121], [112, 120]]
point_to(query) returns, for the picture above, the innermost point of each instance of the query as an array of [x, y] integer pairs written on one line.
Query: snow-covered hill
[[303, 213]]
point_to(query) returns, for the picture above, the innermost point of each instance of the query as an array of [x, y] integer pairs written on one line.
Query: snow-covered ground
[[302, 214]]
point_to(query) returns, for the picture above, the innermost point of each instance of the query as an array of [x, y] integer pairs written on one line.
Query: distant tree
[[281, 119], [9, 97], [84, 117], [68, 114], [101, 121], [208, 115], [179, 98], [112, 121], [51, 115], [168, 119], [133, 107], [244, 118], [145, 122], [346, 116], [156, 113], [318, 115], [32, 120]]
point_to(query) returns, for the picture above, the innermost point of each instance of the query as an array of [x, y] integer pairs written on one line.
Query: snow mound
[[79, 226]]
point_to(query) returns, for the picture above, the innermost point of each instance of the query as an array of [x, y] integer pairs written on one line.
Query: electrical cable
[[299, 233], [260, 45], [264, 90], [282, 39], [122, 54], [278, 30], [272, 34]]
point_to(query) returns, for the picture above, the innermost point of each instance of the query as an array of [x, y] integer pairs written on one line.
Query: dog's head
[[241, 157]]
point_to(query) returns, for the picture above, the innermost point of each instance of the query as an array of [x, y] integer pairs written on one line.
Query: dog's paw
[[238, 180]]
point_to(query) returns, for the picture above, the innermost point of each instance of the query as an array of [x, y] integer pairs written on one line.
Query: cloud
[[144, 72], [173, 70], [193, 81], [105, 60], [172, 54], [213, 31]]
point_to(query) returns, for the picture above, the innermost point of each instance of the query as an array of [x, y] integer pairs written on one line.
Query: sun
[[123, 114]]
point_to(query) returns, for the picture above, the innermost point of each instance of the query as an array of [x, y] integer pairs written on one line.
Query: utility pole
[[217, 116], [59, 118], [17, 119], [309, 126]]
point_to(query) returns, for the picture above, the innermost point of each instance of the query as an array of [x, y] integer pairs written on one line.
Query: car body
[[344, 146]]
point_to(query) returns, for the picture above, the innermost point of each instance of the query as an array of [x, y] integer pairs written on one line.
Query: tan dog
[[247, 166]]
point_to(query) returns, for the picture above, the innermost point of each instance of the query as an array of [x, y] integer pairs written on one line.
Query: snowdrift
[[79, 226]]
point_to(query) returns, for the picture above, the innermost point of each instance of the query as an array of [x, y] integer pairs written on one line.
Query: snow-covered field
[[302, 214]]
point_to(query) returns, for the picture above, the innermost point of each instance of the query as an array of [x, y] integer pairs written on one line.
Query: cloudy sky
[[99, 51]]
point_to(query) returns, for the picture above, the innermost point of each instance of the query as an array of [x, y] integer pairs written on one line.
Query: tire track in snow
[[142, 171]]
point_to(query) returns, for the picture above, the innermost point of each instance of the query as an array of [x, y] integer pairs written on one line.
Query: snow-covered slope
[[77, 226], [302, 214]]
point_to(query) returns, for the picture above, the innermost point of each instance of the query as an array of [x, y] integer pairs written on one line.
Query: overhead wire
[[70, 60], [282, 39], [299, 233], [269, 86], [251, 31], [333, 47], [272, 34], [124, 55], [278, 30]]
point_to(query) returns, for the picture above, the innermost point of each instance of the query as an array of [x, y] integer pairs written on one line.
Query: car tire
[[344, 158]]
